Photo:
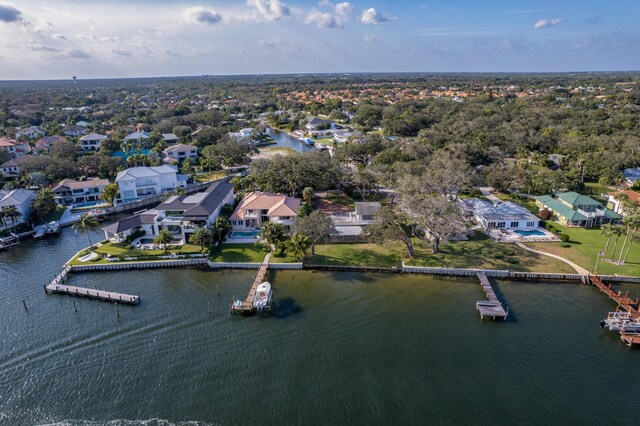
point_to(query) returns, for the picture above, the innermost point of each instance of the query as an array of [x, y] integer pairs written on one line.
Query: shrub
[[565, 245], [564, 238], [512, 260], [545, 214], [509, 252], [498, 255]]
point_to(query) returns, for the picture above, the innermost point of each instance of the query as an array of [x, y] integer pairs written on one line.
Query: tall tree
[[389, 227], [298, 246], [44, 203], [316, 225], [616, 231], [12, 213], [164, 238], [273, 234], [201, 236], [86, 225], [110, 192], [607, 231]]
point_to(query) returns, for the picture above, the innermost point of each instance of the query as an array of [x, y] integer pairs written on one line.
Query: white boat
[[618, 321], [262, 298]]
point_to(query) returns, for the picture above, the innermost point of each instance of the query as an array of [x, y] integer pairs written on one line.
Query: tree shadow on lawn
[[359, 257]]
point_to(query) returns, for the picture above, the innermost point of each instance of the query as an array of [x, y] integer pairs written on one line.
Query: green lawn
[[478, 252], [585, 245], [325, 141], [210, 176], [248, 253], [124, 250]]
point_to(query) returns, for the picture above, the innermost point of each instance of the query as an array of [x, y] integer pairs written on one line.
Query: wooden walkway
[[58, 286], [623, 300], [492, 306], [246, 306]]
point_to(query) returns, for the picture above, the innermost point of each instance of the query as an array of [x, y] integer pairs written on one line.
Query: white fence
[[242, 265], [138, 265]]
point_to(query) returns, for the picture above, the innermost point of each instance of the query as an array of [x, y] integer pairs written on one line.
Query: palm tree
[[86, 224], [627, 225], [165, 238], [221, 227], [307, 194], [110, 192], [3, 216], [634, 223], [201, 236], [607, 231], [298, 246], [617, 231], [44, 203], [273, 234], [12, 213]]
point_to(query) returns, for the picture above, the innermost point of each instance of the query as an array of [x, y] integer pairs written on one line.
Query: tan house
[[256, 208]]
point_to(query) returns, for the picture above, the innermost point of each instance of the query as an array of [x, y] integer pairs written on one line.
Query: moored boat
[[262, 298]]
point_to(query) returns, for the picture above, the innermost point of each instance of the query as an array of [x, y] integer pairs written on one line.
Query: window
[[500, 225], [515, 224], [367, 217], [531, 224]]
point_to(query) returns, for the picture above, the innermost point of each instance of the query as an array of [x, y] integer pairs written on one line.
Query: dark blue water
[[343, 348], [284, 139]]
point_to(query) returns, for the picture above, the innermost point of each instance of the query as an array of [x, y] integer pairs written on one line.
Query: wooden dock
[[623, 300], [247, 306], [58, 286], [492, 306], [630, 339]]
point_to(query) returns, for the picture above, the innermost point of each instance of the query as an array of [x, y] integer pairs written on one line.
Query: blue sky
[[113, 38]]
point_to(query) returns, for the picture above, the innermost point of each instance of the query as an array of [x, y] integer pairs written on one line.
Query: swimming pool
[[88, 204], [529, 233], [253, 233]]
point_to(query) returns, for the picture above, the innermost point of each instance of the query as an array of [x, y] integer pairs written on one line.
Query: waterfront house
[[31, 132], [242, 134], [21, 199], [68, 191], [180, 215], [350, 225], [74, 131], [11, 168], [619, 198], [181, 151], [170, 138], [572, 209], [315, 124], [15, 148], [92, 141], [139, 182], [44, 145], [505, 215], [256, 208]]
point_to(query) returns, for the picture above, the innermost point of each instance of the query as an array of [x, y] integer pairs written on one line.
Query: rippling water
[[340, 348]]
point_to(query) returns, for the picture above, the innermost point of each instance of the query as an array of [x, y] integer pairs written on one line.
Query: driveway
[[487, 192]]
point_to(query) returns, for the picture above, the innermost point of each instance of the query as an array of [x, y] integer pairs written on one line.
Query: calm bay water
[[340, 348], [284, 139]]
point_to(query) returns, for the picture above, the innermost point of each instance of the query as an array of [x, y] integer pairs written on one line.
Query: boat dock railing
[[247, 306]]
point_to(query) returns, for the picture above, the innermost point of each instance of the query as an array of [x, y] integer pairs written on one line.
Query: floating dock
[[246, 306], [58, 286], [492, 306]]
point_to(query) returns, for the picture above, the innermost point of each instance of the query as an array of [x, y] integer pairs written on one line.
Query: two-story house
[[31, 132], [69, 192], [139, 182], [43, 145], [573, 209], [256, 208], [21, 199], [351, 225], [92, 141], [170, 138], [139, 138], [15, 148], [74, 131], [504, 215], [12, 168], [181, 151], [315, 124], [180, 215]]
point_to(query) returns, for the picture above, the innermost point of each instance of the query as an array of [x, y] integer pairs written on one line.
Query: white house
[[21, 199], [350, 225], [315, 123], [14, 147], [31, 132], [255, 208], [11, 169], [181, 151], [68, 191], [506, 215], [170, 138], [241, 134], [92, 141], [74, 131], [138, 182], [140, 138], [631, 175], [180, 215], [618, 199]]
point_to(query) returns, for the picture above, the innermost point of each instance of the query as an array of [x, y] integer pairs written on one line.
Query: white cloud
[[341, 14], [372, 17], [546, 23], [201, 15], [322, 19], [369, 38], [58, 37], [270, 10], [9, 13]]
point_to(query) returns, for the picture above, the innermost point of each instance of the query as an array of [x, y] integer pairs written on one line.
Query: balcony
[[593, 214]]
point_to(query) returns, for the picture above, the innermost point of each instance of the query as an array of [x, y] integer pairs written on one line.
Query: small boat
[[619, 321], [262, 298]]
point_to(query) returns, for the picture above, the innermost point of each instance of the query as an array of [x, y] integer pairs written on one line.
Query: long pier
[[492, 306], [58, 286], [624, 302], [247, 306]]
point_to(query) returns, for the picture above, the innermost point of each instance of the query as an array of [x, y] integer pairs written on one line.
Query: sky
[[56, 39]]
